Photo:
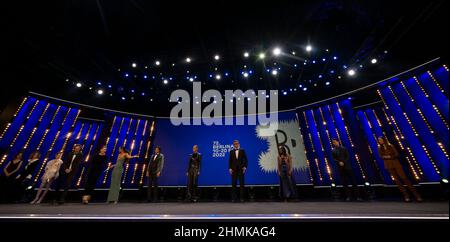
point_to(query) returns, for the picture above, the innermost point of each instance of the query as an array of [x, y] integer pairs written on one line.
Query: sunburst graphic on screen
[[287, 134]]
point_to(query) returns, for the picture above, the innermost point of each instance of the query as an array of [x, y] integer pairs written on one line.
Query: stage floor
[[380, 210]]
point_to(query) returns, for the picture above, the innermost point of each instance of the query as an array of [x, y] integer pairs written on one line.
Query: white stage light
[[351, 72], [274, 72], [216, 57], [79, 84], [134, 65], [277, 51], [218, 77], [188, 60], [165, 81], [262, 55], [374, 61], [246, 54], [309, 48], [245, 74], [157, 63], [100, 91]]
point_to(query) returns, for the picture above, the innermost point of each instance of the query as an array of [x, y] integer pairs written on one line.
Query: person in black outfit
[[192, 173], [68, 171], [24, 181], [96, 167], [341, 157], [154, 169], [237, 167], [8, 177]]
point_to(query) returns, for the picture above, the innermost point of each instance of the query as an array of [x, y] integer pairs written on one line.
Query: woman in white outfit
[[51, 173]]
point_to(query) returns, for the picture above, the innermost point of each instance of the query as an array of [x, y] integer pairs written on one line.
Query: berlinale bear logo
[[288, 135]]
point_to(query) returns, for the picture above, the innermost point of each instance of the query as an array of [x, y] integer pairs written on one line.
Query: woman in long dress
[[285, 171], [116, 176], [51, 173], [97, 163]]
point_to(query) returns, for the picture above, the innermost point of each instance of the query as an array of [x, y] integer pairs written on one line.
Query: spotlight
[[304, 89], [262, 55], [218, 77], [216, 57], [157, 63], [374, 61], [444, 181], [274, 72], [165, 81], [334, 57], [245, 74], [134, 65], [276, 51], [308, 48], [191, 79], [351, 72], [327, 83], [293, 52], [79, 84], [367, 183], [246, 54], [123, 98], [100, 91], [188, 60], [333, 184], [285, 93]]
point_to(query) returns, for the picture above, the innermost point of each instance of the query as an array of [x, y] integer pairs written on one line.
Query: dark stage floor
[[224, 210]]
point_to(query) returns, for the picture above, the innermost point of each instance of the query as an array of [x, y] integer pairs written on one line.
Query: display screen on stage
[[216, 141]]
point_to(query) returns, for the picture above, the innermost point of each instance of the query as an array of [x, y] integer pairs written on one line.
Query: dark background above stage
[[88, 41]]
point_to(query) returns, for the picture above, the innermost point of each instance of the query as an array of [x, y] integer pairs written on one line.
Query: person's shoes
[[359, 199], [407, 199], [348, 199], [419, 199]]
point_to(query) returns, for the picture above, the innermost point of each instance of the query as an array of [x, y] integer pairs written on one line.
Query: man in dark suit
[[237, 167], [154, 169], [341, 157], [68, 171]]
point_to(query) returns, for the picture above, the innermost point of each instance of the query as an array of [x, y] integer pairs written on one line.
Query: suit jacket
[[392, 161], [239, 162], [340, 154], [195, 163], [68, 163], [155, 165]]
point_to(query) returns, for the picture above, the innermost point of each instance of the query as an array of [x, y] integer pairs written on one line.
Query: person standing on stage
[[24, 181], [116, 176], [154, 169], [96, 167], [390, 155], [51, 173], [68, 171], [288, 188], [341, 157], [8, 176], [237, 165], [192, 173]]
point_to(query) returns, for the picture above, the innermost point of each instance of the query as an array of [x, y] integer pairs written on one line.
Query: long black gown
[[95, 170]]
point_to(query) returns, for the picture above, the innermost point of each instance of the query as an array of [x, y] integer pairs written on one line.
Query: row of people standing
[[62, 171]]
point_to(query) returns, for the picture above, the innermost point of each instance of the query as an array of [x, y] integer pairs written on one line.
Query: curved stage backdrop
[[413, 112]]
